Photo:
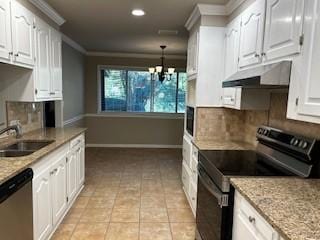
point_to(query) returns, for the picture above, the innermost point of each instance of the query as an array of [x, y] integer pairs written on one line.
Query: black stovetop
[[241, 163]]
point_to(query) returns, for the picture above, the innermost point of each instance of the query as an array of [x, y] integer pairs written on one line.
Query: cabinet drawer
[[256, 222], [74, 142]]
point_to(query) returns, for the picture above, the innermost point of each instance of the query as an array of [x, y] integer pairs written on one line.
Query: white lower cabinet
[[42, 204], [190, 173], [56, 183], [59, 188], [248, 224]]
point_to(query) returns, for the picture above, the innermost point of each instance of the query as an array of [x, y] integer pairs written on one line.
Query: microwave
[[190, 120]]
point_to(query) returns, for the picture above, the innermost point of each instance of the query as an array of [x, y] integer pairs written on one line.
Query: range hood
[[276, 75]]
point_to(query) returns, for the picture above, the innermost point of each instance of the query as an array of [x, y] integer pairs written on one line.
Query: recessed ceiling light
[[138, 12]]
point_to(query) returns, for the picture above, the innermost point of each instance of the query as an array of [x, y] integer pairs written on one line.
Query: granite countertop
[[9, 167], [290, 205], [223, 145]]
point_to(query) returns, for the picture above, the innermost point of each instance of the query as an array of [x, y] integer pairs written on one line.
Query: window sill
[[138, 115]]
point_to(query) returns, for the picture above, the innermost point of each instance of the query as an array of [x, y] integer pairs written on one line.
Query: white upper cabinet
[[23, 24], [43, 75], [193, 45], [252, 29], [5, 31], [232, 41], [56, 64], [304, 93], [283, 28]]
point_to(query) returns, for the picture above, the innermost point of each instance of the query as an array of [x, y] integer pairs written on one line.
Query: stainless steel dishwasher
[[16, 212]]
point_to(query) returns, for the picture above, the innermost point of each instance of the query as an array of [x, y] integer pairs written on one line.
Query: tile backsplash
[[228, 124], [29, 114]]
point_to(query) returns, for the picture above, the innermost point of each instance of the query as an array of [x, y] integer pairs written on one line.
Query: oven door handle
[[223, 199]]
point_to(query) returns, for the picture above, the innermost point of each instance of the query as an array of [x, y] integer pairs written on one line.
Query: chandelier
[[160, 70]]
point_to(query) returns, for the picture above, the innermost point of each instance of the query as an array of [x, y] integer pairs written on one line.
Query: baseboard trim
[[73, 120], [133, 146]]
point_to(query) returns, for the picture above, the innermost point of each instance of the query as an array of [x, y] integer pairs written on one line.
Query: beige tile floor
[[130, 194]]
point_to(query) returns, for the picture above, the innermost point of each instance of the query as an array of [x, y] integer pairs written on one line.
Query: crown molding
[[73, 44], [233, 5], [134, 55], [49, 11], [212, 10]]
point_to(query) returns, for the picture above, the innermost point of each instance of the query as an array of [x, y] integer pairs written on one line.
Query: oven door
[[214, 212]]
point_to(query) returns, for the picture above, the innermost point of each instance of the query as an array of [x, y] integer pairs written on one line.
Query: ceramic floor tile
[[100, 202], [153, 201], [155, 231], [93, 231], [120, 215], [81, 202], [123, 231], [151, 215], [96, 215], [127, 202], [180, 215], [177, 201], [73, 216], [64, 232], [183, 231]]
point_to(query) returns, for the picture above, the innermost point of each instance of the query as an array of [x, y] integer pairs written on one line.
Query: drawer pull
[[252, 219]]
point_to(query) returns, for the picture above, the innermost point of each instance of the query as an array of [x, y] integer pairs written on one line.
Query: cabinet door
[[22, 35], [42, 214], [81, 156], [5, 31], [309, 85], [59, 189], [72, 175], [252, 29], [56, 65], [193, 53], [241, 230], [232, 47], [43, 76], [283, 28]]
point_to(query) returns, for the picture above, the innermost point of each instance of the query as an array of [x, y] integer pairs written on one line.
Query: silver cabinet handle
[[252, 219], [17, 55], [257, 55], [10, 53], [263, 54]]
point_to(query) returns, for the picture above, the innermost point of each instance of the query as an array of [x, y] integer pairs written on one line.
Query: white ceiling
[[107, 25]]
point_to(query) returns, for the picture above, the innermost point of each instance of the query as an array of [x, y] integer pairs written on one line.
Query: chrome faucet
[[17, 128]]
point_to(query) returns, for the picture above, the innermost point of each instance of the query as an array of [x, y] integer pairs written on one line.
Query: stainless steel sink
[[23, 148], [14, 153], [28, 145]]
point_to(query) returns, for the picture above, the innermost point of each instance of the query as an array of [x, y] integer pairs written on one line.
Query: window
[[126, 90]]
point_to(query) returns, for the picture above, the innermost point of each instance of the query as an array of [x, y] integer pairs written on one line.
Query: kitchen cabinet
[[304, 94], [190, 172], [58, 179], [283, 28], [5, 32], [232, 41], [252, 29], [249, 224], [56, 64], [246, 98], [192, 61], [59, 188], [23, 44], [43, 69], [27, 41], [42, 205]]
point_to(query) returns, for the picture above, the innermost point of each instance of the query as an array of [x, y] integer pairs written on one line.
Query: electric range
[[278, 153]]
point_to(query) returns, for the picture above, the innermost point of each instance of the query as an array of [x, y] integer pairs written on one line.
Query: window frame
[[130, 114]]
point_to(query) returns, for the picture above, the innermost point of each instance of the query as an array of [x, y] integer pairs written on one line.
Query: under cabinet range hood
[[276, 75]]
